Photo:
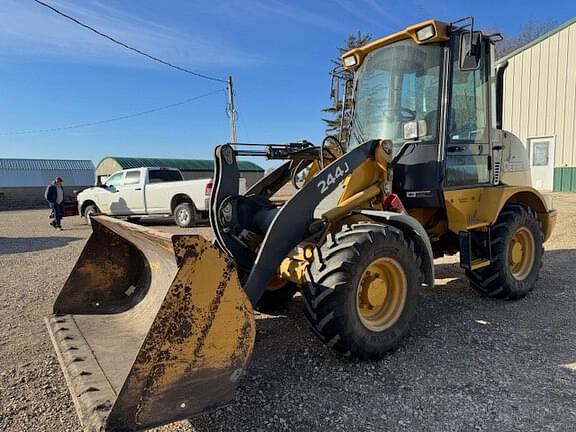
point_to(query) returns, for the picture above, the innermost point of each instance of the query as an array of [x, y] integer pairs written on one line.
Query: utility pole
[[231, 110]]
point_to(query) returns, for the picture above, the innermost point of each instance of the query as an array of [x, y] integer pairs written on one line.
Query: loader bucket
[[150, 328]]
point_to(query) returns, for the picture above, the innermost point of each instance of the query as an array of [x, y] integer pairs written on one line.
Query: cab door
[[130, 199], [468, 123], [109, 193]]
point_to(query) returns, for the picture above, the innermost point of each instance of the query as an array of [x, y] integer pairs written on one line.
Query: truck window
[[132, 177], [158, 176], [115, 180]]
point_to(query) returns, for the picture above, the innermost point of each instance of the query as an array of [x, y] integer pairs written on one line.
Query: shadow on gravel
[[14, 245], [295, 383]]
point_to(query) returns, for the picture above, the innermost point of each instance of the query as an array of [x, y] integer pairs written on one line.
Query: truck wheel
[[91, 209], [362, 293], [185, 215], [516, 255], [280, 293]]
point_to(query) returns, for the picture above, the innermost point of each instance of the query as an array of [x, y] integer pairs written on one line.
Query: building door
[[542, 162]]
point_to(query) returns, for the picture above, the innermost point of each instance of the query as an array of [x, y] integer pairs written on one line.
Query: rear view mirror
[[335, 88], [470, 50]]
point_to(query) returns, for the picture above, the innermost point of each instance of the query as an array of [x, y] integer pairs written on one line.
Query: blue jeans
[[58, 214]]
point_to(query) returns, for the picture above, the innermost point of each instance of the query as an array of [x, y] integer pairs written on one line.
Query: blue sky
[[54, 73]]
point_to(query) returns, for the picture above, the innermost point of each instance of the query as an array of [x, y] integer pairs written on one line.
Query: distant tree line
[[530, 31]]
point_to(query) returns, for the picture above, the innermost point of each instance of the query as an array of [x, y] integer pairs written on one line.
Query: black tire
[[330, 297], [91, 209], [134, 219], [497, 280], [185, 215], [276, 299]]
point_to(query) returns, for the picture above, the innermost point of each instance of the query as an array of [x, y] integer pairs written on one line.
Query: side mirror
[[335, 88], [470, 51], [415, 129]]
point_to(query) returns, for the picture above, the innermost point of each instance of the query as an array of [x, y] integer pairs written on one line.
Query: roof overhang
[[436, 31]]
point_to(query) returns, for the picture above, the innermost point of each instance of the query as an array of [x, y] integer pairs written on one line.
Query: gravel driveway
[[470, 364]]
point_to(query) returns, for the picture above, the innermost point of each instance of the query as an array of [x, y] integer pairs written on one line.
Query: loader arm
[[231, 213]]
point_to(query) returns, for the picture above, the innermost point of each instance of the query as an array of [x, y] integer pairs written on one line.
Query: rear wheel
[[362, 293], [185, 215], [516, 255], [91, 209]]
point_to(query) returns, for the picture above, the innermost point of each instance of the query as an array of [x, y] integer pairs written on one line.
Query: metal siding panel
[[552, 101], [525, 95], [37, 178], [569, 136], [515, 126], [561, 98], [534, 77], [48, 164], [508, 95], [566, 180], [543, 103], [557, 179]]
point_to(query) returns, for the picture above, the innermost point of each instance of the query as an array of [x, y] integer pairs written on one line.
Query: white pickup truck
[[134, 193]]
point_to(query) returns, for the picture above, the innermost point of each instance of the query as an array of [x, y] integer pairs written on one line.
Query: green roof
[[537, 40], [181, 164]]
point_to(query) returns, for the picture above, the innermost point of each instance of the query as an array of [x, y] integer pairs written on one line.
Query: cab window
[[158, 176], [132, 178], [114, 180]]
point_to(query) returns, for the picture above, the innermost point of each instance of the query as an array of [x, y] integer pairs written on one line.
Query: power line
[[114, 119], [122, 44]]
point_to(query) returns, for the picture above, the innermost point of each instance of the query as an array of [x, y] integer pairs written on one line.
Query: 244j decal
[[339, 172]]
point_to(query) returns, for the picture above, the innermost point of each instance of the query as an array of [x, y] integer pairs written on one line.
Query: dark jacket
[[51, 193]]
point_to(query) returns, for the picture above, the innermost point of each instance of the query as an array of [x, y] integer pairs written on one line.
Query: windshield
[[396, 84]]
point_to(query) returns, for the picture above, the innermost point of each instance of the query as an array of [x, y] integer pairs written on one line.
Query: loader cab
[[430, 87]]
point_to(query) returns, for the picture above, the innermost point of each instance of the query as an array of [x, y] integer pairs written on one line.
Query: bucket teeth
[[150, 328]]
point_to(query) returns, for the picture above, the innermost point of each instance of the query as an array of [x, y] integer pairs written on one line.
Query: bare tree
[[530, 31]]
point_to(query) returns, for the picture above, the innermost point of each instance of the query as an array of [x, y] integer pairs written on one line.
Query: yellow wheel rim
[[521, 253], [381, 294]]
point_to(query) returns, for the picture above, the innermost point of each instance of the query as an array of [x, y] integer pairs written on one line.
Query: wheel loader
[[152, 327]]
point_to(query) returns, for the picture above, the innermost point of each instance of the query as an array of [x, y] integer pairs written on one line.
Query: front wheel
[[185, 215], [89, 210], [362, 295], [516, 255]]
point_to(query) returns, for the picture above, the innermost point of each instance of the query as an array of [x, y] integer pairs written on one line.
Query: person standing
[[55, 196]]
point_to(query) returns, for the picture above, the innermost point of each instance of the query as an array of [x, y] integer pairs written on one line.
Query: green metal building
[[191, 168]]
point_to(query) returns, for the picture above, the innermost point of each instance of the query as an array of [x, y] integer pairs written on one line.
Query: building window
[[540, 154]]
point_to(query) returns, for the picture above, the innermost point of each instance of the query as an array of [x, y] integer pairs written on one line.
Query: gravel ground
[[470, 364]]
